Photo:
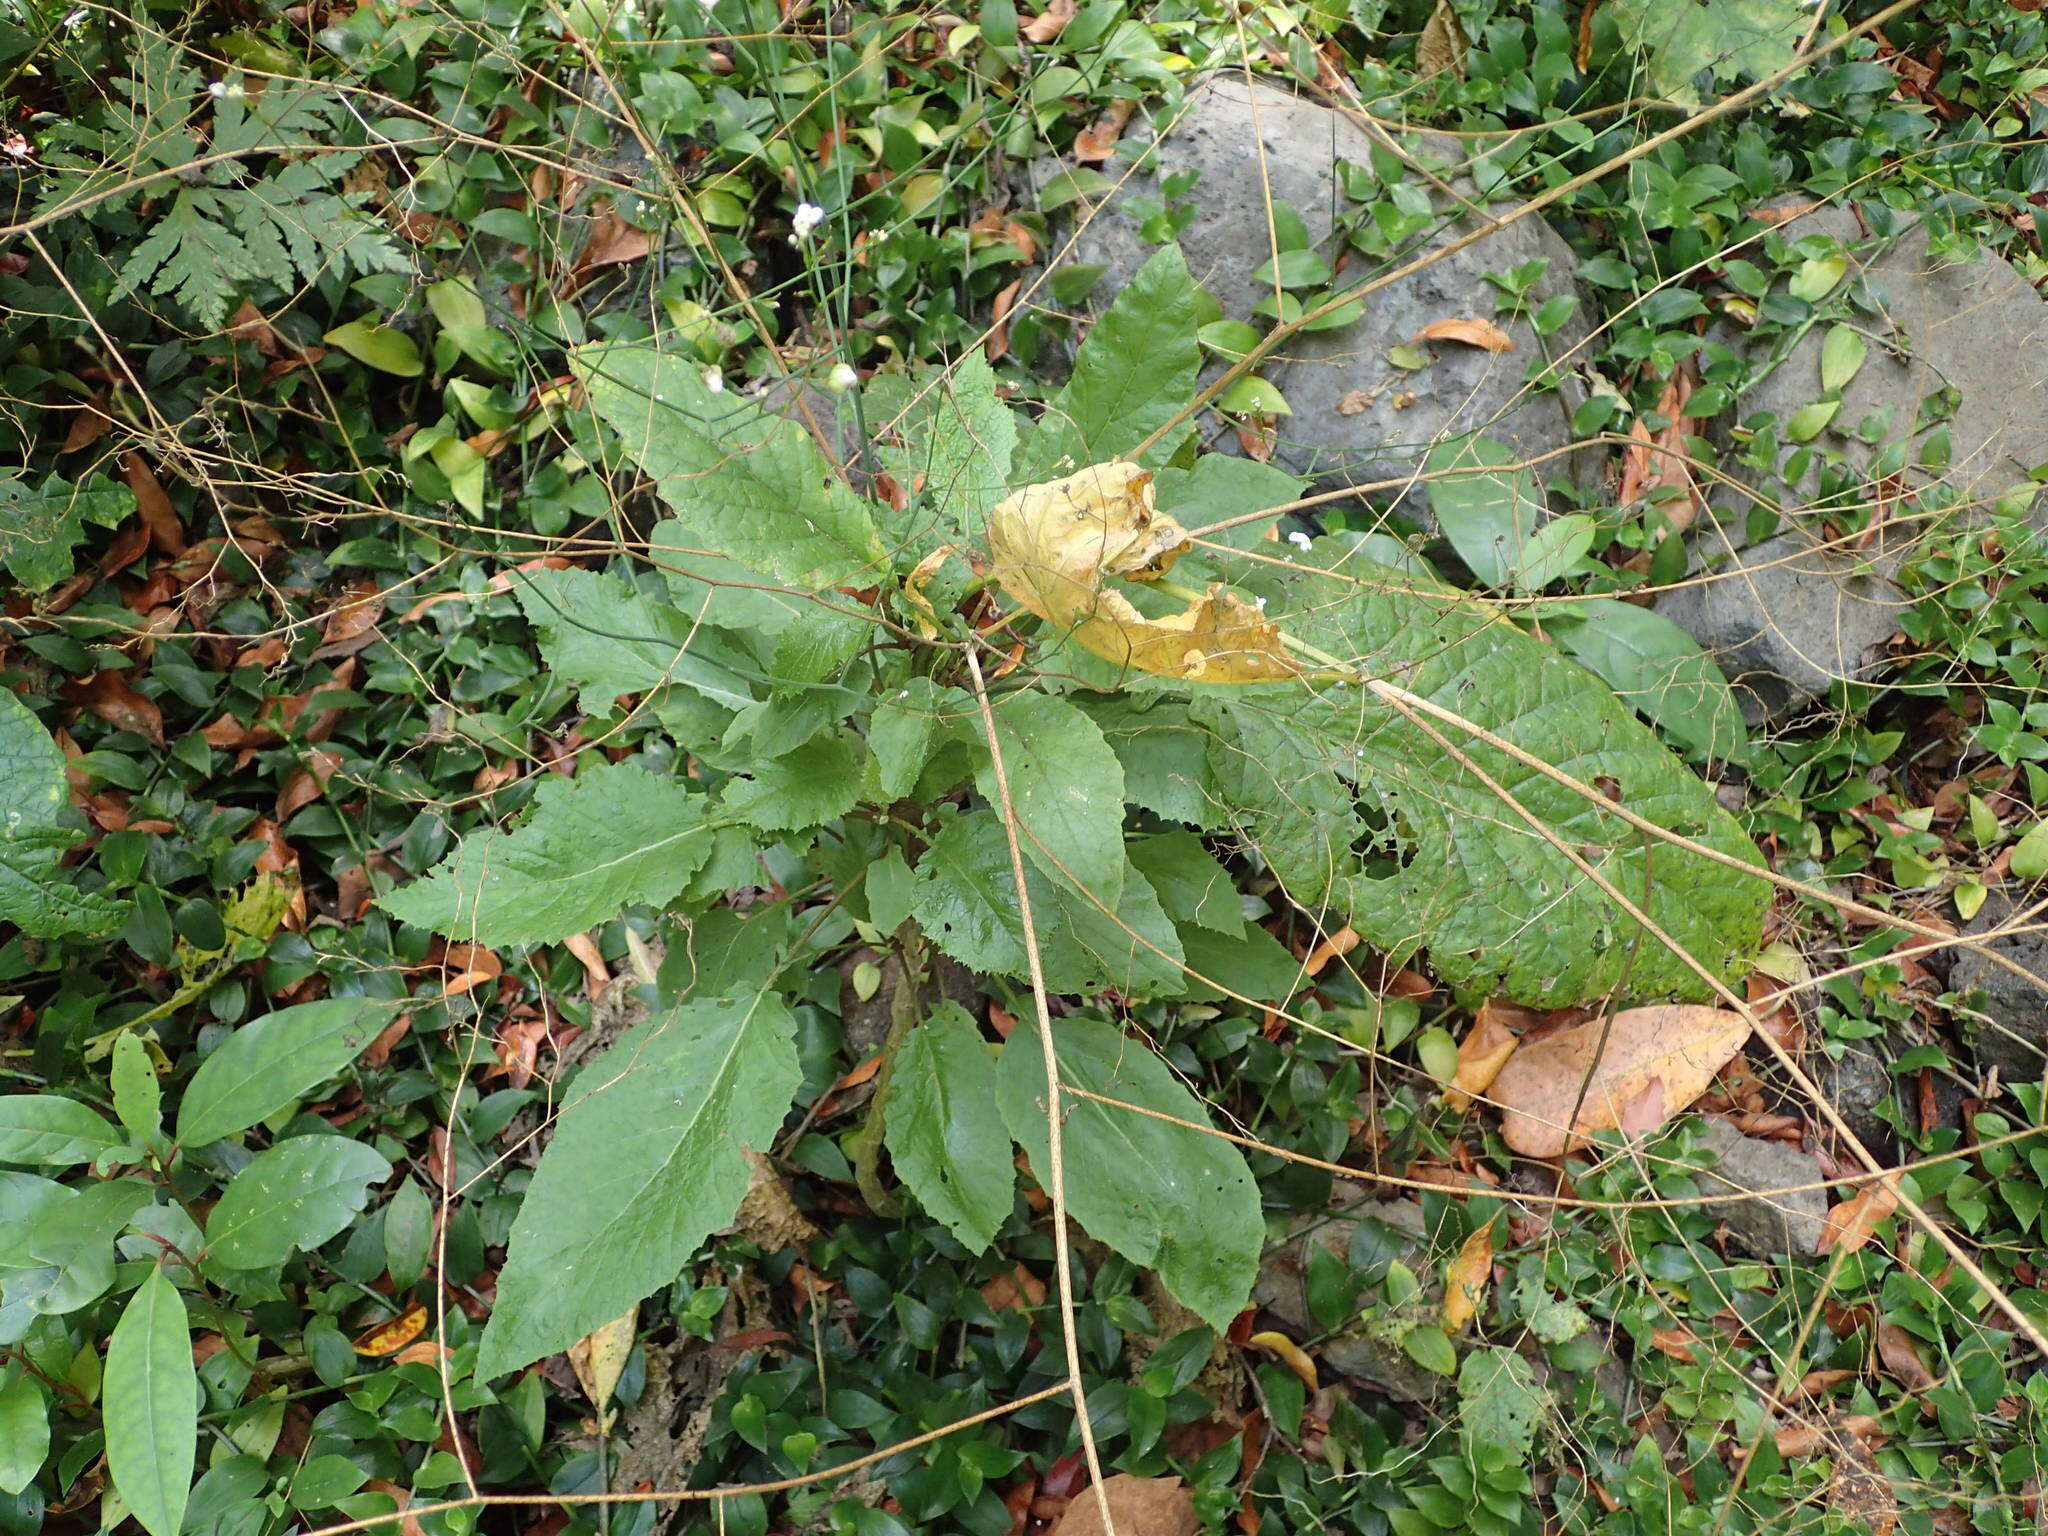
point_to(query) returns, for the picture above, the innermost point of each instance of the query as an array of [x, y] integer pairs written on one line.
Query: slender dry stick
[[1737, 1003], [1722, 108], [1055, 1155]]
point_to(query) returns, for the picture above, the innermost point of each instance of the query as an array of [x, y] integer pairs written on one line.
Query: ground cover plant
[[725, 814]]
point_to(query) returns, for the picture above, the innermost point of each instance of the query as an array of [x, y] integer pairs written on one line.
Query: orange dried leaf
[[1139, 1506], [1051, 22], [599, 1359], [389, 1337], [1680, 1046], [1481, 1054], [1851, 1223], [1053, 546], [1095, 143], [1466, 1278], [1483, 334]]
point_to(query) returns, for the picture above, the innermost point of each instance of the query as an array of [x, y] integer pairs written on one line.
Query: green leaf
[[1552, 551], [1499, 1400], [962, 439], [610, 1218], [34, 896], [150, 1406], [408, 1233], [2029, 859], [1816, 277], [272, 1062], [742, 483], [296, 1195], [1488, 513], [1066, 791], [1356, 807], [1133, 375], [1841, 356], [808, 787], [39, 524], [1159, 1194], [1809, 421], [382, 347], [138, 1097], [963, 896], [908, 723], [73, 1241], [1253, 396], [946, 1146], [799, 636], [1229, 338], [609, 638], [1190, 884], [1721, 39], [612, 837], [1659, 670], [1165, 756], [1431, 1348], [45, 1130], [24, 1432]]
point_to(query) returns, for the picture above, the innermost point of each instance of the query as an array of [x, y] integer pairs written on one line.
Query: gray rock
[[1786, 619], [1934, 323], [1764, 1224], [1282, 1289], [1357, 419], [1860, 1085], [2012, 1029]]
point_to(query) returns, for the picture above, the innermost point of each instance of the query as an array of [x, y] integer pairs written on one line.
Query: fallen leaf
[[1054, 545], [1018, 1290], [1139, 1506], [1357, 402], [1095, 143], [1466, 1278], [1901, 1356], [108, 695], [1481, 1054], [1645, 1112], [1291, 1355], [1050, 22], [352, 622], [519, 1043], [393, 1334], [1674, 1342], [1442, 44], [599, 1359], [997, 344], [379, 1051], [1680, 1045], [306, 783], [1336, 946], [1850, 1224], [1483, 334], [87, 427], [596, 974]]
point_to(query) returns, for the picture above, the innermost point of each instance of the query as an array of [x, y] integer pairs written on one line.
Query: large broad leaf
[[1486, 509], [297, 1194], [952, 1153], [1659, 669], [1360, 810], [150, 1406], [1135, 372], [798, 636], [1159, 1194], [608, 638], [648, 1159], [49, 1130], [1066, 791], [33, 895], [613, 836], [742, 483], [275, 1061], [961, 438], [39, 524], [71, 1243], [1717, 39], [24, 1432]]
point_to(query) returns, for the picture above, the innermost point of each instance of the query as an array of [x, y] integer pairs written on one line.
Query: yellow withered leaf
[[1053, 546]]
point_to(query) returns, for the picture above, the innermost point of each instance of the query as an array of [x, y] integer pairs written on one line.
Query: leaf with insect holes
[[1054, 547], [1607, 1065]]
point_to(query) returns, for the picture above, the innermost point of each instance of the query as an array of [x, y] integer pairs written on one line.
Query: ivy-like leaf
[[1360, 810], [1717, 39], [1659, 669], [274, 1061], [611, 837], [648, 1158], [39, 524], [296, 1194], [946, 1146], [150, 1403], [1135, 373], [742, 483], [33, 895], [1159, 1194]]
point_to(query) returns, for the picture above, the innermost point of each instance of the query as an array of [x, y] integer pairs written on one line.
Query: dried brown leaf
[[1850, 1224], [1481, 1054], [1140, 1506], [108, 695], [1095, 143], [1442, 44], [1680, 1045], [1483, 334], [599, 1359], [1051, 22], [1466, 1278]]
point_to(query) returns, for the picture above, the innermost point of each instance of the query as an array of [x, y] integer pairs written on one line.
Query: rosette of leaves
[[804, 647]]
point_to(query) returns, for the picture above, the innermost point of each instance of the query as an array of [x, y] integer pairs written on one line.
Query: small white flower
[[220, 90], [714, 380], [841, 378], [1299, 539], [808, 217], [1261, 602]]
